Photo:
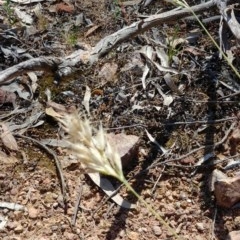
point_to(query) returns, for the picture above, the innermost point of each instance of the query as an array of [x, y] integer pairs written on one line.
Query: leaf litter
[[151, 90]]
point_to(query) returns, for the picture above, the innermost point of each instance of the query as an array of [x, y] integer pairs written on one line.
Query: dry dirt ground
[[176, 189]]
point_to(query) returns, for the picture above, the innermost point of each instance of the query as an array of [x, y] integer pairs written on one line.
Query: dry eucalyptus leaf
[[153, 140], [16, 87], [167, 99], [108, 188], [91, 30], [51, 112], [12, 206], [163, 56], [230, 15], [7, 138], [86, 99], [24, 17]]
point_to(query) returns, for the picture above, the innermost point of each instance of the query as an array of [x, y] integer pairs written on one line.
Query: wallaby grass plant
[[96, 154], [173, 49], [117, 9], [70, 37]]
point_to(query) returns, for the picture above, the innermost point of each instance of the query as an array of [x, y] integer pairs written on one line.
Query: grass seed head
[[91, 146]]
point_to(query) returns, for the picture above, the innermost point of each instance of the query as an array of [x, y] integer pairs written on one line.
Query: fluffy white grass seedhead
[[92, 147]]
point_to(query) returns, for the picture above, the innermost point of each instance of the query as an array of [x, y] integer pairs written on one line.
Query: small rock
[[54, 228], [70, 211], [33, 213], [54, 196], [157, 230], [14, 191], [200, 238], [69, 236], [18, 229], [12, 225], [227, 191], [64, 227], [183, 196], [127, 146], [55, 205], [133, 235], [142, 229], [18, 215], [234, 235], [200, 227], [5, 210], [2, 175], [122, 233], [184, 204]]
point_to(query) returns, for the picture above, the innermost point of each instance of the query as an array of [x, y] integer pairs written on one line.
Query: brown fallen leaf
[[63, 7], [91, 30], [51, 112], [7, 138]]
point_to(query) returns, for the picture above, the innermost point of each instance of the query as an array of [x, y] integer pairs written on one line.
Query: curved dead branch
[[35, 64], [108, 43], [60, 66]]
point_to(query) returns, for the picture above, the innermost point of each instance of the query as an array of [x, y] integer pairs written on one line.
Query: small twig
[[216, 121], [198, 149], [202, 121], [108, 211], [158, 179], [199, 101], [205, 20], [213, 223], [107, 199], [128, 126], [74, 217], [230, 95], [57, 163]]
